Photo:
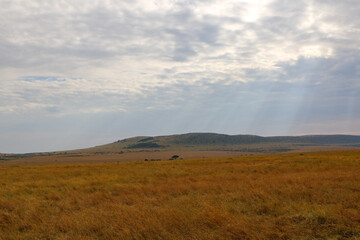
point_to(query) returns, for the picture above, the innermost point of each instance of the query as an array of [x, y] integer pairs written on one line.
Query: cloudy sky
[[81, 73]]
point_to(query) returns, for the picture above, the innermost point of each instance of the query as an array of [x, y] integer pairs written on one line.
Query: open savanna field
[[279, 196], [89, 157]]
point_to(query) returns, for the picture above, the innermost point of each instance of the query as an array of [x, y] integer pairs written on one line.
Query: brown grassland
[[80, 158], [280, 196]]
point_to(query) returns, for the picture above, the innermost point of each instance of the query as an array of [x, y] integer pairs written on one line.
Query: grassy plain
[[86, 157], [279, 196], [90, 156]]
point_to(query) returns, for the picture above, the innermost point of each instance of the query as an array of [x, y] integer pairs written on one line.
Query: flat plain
[[310, 195], [187, 146]]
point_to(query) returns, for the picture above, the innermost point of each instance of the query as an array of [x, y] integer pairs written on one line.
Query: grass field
[[282, 196], [83, 156], [80, 158]]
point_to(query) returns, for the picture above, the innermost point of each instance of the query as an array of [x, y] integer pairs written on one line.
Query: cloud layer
[[159, 67]]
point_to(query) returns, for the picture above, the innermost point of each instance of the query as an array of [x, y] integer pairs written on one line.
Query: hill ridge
[[207, 141], [223, 142]]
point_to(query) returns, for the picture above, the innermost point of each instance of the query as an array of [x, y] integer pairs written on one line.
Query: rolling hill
[[223, 142], [191, 145]]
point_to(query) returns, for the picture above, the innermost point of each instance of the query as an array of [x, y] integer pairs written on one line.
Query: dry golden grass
[[284, 196], [86, 157], [91, 156]]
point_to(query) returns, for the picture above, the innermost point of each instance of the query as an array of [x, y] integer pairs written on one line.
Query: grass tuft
[[284, 196]]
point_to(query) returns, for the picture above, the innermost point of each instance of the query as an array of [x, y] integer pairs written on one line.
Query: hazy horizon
[[85, 73], [137, 136]]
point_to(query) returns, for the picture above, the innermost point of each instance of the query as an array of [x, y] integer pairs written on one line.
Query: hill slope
[[191, 145], [223, 142]]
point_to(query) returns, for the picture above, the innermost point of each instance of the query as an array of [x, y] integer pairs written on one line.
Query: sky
[[82, 73]]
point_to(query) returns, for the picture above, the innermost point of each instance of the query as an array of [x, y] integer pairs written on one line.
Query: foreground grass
[[287, 196]]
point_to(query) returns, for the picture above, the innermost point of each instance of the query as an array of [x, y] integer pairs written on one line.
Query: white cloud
[[127, 56]]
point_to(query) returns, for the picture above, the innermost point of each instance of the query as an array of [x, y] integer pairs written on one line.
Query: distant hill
[[223, 142], [190, 145]]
